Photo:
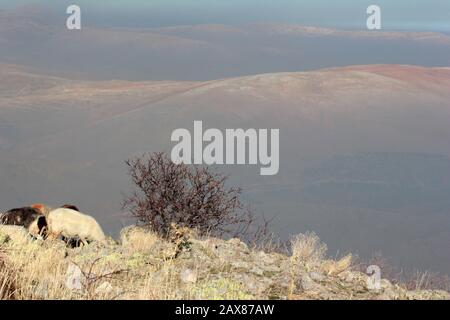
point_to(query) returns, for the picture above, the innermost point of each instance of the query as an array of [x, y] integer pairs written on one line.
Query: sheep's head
[[38, 227]]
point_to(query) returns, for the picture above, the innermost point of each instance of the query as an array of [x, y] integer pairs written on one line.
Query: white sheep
[[71, 224]]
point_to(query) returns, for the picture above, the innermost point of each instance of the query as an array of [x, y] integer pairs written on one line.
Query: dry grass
[[39, 271], [308, 251], [333, 267], [137, 240], [428, 281], [148, 267], [309, 255], [7, 285]]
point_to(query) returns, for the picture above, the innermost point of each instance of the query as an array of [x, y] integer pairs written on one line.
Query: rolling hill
[[364, 149]]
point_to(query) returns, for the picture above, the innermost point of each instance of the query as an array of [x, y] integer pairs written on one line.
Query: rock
[[188, 276], [240, 265], [251, 283], [262, 256], [74, 278], [233, 248], [317, 277], [238, 243], [257, 270], [268, 262], [307, 284], [105, 288], [385, 284], [353, 276]]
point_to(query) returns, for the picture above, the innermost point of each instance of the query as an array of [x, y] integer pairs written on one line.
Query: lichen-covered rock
[[188, 276]]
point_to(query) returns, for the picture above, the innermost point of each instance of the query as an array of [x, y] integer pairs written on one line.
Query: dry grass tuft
[[138, 240], [332, 267], [308, 251], [7, 284]]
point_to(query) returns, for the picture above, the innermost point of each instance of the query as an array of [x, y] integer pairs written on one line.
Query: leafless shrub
[[188, 196]]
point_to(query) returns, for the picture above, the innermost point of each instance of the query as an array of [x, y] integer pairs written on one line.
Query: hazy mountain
[[35, 37], [364, 149]]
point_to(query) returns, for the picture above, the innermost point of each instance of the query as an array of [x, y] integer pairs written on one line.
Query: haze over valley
[[363, 118], [364, 149]]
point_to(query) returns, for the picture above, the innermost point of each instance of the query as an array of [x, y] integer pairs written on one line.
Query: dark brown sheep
[[20, 217]]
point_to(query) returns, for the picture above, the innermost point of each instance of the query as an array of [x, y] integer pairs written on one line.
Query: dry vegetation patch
[[185, 266]]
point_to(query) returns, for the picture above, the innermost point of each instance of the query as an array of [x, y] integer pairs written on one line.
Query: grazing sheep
[[72, 224], [38, 228], [20, 217]]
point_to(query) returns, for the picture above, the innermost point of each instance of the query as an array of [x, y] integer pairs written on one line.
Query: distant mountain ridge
[[38, 38]]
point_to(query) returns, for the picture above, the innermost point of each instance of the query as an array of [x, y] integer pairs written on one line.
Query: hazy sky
[[397, 14]]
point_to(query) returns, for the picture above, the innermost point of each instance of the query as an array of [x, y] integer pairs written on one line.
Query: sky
[[420, 15]]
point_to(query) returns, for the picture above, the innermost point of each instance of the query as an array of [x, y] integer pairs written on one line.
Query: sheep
[[38, 228], [46, 209], [20, 216], [73, 224]]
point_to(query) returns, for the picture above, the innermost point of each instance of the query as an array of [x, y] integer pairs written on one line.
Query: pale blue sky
[[397, 14]]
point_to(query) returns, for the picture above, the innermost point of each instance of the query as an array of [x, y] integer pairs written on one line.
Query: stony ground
[[144, 266]]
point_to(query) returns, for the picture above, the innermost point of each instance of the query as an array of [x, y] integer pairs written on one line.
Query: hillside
[[144, 266], [65, 141]]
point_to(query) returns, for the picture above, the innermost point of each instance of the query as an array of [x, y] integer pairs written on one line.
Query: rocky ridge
[[144, 266]]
